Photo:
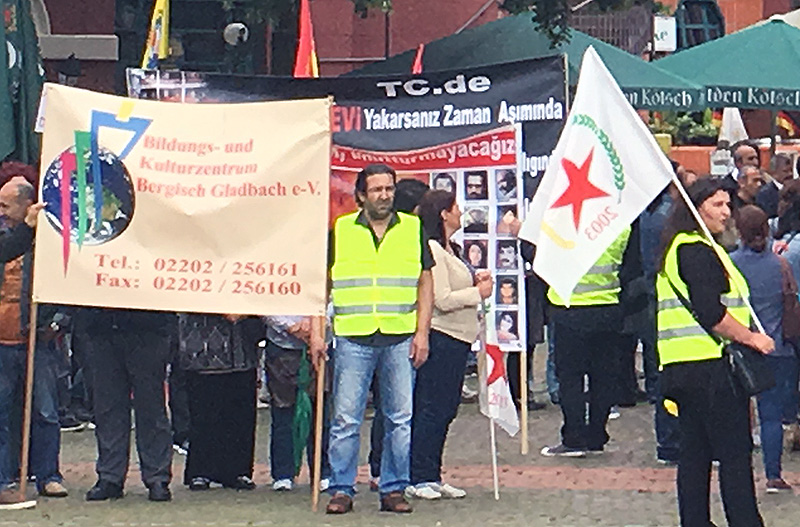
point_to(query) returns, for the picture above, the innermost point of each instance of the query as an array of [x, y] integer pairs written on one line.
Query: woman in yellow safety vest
[[713, 415]]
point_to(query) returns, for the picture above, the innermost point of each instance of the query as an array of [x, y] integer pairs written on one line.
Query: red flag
[[416, 68], [305, 62]]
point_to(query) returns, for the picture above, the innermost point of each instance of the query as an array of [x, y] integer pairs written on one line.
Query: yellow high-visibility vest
[[600, 285], [680, 337], [375, 288]]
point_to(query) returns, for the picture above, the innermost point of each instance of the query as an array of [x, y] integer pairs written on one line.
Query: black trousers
[[129, 369], [222, 433], [437, 394], [514, 382], [715, 424], [579, 353]]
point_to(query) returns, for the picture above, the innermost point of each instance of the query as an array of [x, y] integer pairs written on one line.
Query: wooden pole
[[319, 404], [27, 408], [495, 478], [523, 401]]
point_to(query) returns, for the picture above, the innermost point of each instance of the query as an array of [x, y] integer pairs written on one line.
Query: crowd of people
[[403, 317]]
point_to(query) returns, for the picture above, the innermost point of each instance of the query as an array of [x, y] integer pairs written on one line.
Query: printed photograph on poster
[[444, 181], [476, 185], [476, 253], [506, 323], [507, 255], [506, 214], [506, 180], [507, 290], [476, 220]]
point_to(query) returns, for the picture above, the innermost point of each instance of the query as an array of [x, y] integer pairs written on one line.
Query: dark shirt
[[705, 277], [15, 242], [767, 199], [379, 339]]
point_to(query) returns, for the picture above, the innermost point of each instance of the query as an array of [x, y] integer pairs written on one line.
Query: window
[[698, 21]]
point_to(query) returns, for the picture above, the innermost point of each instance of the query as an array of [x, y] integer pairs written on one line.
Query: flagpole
[[707, 233], [319, 406], [523, 401], [495, 480]]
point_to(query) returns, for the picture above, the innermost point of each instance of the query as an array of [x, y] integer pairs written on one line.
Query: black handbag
[[748, 368]]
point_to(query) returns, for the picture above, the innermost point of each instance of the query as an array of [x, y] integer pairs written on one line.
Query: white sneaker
[[613, 413], [324, 484], [422, 492], [283, 485], [448, 491]]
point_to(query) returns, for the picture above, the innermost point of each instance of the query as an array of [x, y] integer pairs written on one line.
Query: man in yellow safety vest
[[382, 293]]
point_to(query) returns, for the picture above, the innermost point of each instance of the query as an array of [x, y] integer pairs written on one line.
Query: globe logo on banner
[[88, 190], [116, 206]]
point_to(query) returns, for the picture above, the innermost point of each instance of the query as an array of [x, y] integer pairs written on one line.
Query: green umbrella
[[301, 424], [515, 38], [756, 67]]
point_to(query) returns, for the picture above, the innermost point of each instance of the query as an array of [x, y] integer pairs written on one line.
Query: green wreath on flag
[[582, 119]]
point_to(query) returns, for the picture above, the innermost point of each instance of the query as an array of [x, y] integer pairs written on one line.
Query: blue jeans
[[45, 429], [550, 372], [354, 365], [772, 406]]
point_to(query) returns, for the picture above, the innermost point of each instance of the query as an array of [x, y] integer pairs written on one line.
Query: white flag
[[495, 395], [732, 128], [606, 168]]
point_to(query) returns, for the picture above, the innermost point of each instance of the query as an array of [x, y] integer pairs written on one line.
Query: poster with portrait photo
[[506, 214], [476, 219], [506, 255], [506, 290], [476, 253], [444, 181], [476, 185], [507, 326], [505, 185]]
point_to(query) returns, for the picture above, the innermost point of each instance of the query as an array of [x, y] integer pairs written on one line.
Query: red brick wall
[[95, 17], [339, 32]]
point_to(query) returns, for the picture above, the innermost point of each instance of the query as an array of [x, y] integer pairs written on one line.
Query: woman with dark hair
[[763, 271], [700, 303], [454, 327]]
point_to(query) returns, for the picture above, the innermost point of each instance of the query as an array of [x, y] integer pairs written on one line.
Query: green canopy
[[756, 67], [515, 38]]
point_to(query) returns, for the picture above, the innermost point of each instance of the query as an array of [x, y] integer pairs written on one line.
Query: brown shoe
[[340, 503], [395, 502], [54, 489], [12, 500]]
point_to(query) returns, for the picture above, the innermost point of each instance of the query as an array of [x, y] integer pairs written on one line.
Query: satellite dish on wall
[[235, 33]]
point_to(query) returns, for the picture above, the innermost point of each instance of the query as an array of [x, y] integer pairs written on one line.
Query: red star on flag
[[579, 189], [498, 367]]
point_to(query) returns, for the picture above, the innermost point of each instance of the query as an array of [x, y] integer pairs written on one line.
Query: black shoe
[[533, 406], [199, 483], [104, 490], [241, 483], [160, 492]]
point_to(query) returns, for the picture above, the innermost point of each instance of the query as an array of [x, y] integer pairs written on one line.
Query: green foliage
[[696, 128]]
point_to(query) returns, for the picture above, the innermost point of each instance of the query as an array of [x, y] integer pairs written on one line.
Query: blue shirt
[[651, 225], [762, 270]]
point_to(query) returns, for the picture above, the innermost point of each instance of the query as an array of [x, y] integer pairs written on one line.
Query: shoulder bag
[[791, 305], [748, 368]]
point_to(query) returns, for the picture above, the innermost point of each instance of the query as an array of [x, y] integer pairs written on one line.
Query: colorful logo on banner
[[87, 188]]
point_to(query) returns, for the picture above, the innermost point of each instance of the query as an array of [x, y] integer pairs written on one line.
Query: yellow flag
[[156, 46]]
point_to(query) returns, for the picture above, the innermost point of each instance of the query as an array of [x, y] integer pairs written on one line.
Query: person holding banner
[[127, 352], [454, 327], [220, 357], [713, 416], [19, 216], [382, 292]]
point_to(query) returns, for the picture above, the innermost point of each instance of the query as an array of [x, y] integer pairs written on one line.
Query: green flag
[[21, 79]]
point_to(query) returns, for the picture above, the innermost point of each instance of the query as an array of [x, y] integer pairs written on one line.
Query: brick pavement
[[622, 488]]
